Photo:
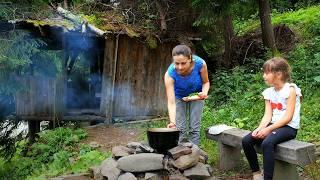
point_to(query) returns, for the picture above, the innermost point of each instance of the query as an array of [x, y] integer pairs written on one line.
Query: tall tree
[[266, 26], [213, 12]]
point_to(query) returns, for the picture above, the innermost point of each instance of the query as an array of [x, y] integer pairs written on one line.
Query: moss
[[61, 23]]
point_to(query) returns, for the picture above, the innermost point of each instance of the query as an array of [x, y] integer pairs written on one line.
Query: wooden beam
[[80, 22]]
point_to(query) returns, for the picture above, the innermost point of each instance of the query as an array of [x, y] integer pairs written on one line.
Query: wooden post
[[34, 127], [108, 79]]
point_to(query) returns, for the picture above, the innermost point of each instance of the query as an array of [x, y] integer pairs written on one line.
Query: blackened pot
[[163, 139]]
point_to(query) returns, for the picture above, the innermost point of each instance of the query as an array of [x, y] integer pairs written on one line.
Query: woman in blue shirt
[[187, 74]]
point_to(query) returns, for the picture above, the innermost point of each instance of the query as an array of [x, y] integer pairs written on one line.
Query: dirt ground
[[108, 136]]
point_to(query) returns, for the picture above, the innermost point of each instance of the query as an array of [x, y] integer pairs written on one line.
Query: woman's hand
[[203, 95], [171, 125]]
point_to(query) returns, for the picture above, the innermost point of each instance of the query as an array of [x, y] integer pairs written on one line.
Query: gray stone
[[186, 144], [95, 172], [140, 147], [109, 169], [284, 170], [133, 145], [177, 177], [210, 170], [127, 176], [82, 176], [205, 155], [110, 162], [196, 172], [152, 176], [146, 148], [202, 160], [178, 151], [189, 160], [120, 151], [141, 162], [94, 144], [138, 150]]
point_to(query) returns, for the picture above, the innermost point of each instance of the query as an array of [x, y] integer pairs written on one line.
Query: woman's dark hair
[[278, 64], [182, 50]]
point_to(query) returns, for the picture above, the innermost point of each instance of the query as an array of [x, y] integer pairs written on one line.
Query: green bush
[[55, 152]]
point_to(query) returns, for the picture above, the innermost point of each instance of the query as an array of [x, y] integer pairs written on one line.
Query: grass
[[302, 21]]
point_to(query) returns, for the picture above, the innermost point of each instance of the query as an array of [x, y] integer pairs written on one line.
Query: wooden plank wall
[[139, 87], [36, 97]]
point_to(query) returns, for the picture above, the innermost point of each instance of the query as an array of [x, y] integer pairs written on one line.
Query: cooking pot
[[163, 139]]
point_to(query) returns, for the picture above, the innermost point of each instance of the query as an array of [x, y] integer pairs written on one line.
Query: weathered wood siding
[[139, 87], [36, 97]]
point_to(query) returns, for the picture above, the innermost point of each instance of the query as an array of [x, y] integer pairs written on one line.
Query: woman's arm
[[169, 84], [205, 81], [291, 103]]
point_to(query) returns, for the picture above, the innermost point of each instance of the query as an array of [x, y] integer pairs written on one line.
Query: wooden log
[[64, 118], [80, 22]]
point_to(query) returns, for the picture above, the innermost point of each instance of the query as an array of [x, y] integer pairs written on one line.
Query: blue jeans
[[268, 145], [192, 110]]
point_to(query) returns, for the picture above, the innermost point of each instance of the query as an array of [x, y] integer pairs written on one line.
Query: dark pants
[[267, 145]]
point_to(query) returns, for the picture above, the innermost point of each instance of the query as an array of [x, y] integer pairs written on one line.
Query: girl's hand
[[263, 133], [255, 132], [203, 95], [171, 125]]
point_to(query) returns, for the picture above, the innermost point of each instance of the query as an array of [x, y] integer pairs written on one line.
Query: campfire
[[137, 160]]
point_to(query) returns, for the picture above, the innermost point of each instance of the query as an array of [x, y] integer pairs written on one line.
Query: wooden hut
[[130, 85]]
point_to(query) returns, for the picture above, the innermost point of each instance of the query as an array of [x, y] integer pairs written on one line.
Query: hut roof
[[111, 21]]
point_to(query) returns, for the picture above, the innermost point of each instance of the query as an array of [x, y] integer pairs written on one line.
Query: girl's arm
[[291, 103], [267, 115], [169, 84], [265, 119], [205, 81]]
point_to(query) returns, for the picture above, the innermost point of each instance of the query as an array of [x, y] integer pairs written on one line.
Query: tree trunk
[[266, 26], [65, 4], [228, 36], [162, 12]]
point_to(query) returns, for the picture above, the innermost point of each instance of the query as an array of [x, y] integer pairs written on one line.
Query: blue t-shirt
[[185, 85]]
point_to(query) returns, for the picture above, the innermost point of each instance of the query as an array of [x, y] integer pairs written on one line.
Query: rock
[[177, 177], [141, 162], [199, 171], [189, 160], [120, 151], [94, 144], [204, 154], [109, 169], [146, 148], [178, 151], [210, 170], [95, 172], [152, 176], [138, 150], [186, 144], [202, 159], [133, 145], [83, 176], [127, 176]]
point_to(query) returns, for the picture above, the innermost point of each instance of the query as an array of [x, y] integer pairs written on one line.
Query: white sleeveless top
[[278, 100]]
